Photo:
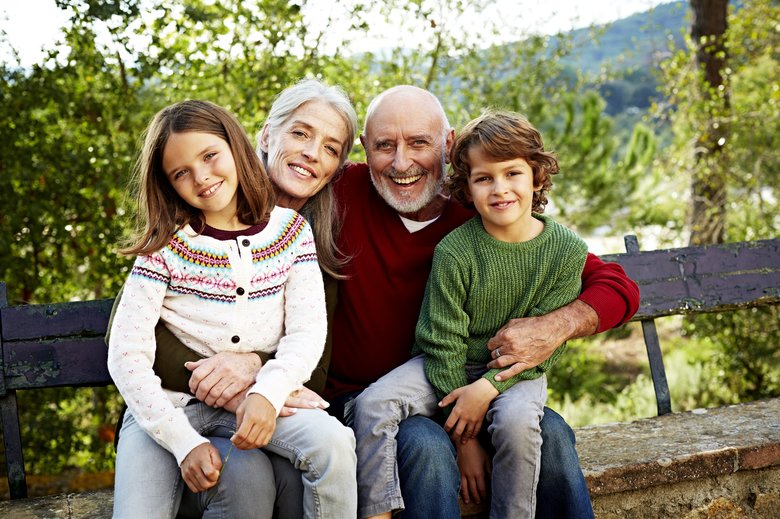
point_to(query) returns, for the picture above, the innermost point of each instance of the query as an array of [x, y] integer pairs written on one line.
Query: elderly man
[[394, 213]]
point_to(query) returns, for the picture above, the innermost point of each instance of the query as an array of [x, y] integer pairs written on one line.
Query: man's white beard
[[407, 204]]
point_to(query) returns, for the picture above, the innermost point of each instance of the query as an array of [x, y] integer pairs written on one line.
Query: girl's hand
[[475, 466], [200, 468], [256, 422], [471, 406]]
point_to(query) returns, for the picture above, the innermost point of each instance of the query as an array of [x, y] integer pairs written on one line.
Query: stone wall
[[721, 463]]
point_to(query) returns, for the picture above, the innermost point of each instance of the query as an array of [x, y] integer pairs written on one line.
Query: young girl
[[226, 272]]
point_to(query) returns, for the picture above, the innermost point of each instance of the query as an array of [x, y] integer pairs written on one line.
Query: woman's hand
[[255, 422], [200, 468], [475, 466], [471, 406], [303, 398], [217, 380]]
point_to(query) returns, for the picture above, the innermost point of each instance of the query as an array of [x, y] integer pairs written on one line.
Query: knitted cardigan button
[[245, 242], [240, 291], [235, 339]]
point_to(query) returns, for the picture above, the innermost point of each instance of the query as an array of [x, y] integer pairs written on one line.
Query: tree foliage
[[730, 132], [70, 126], [746, 159]]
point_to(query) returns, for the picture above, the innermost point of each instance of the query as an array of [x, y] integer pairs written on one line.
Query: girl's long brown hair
[[161, 211]]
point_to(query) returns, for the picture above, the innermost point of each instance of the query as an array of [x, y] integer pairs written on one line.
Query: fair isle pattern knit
[[478, 284], [260, 292]]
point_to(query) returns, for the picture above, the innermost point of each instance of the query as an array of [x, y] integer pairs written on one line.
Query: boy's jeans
[[513, 426]]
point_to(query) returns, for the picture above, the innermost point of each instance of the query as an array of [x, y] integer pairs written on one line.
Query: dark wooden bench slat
[[53, 363], [717, 259], [711, 294], [706, 279], [87, 318]]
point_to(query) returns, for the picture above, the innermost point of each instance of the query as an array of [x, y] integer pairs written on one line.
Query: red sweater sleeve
[[609, 291]]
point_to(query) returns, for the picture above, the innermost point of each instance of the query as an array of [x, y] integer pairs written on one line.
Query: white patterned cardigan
[[257, 293]]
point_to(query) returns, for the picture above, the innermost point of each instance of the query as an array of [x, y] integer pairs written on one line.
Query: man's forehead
[[400, 122], [406, 108]]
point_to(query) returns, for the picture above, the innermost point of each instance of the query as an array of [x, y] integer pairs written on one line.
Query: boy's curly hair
[[501, 135]]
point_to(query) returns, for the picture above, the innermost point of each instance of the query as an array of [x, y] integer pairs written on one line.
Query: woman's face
[[304, 152]]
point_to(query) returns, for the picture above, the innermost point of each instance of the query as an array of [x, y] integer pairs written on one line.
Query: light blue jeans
[[513, 425], [148, 481]]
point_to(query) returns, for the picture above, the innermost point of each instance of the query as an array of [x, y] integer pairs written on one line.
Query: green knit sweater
[[477, 284]]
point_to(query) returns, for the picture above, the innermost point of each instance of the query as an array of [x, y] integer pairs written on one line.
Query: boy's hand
[[471, 405], [200, 468], [255, 422], [475, 466]]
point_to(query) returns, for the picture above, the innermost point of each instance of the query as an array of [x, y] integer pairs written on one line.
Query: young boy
[[507, 262]]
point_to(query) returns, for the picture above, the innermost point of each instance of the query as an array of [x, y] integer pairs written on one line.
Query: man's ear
[[363, 142], [449, 139], [264, 138]]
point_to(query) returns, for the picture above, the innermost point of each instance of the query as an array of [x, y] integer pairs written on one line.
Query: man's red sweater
[[378, 305]]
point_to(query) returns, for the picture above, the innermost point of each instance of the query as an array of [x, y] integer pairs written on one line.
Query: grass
[[607, 379]]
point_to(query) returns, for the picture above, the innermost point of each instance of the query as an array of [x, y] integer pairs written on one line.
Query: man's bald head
[[407, 139], [400, 96]]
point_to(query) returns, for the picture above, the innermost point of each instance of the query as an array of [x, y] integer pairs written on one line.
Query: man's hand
[[217, 380], [255, 422], [200, 468], [525, 343], [471, 405], [475, 466]]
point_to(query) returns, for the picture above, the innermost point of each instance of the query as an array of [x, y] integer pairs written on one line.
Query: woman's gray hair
[[305, 91], [320, 210]]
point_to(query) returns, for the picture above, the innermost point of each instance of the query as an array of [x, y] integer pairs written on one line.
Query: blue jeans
[[148, 482], [562, 491], [429, 473], [512, 427], [430, 488]]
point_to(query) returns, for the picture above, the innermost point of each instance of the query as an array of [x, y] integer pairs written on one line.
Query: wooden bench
[[62, 344]]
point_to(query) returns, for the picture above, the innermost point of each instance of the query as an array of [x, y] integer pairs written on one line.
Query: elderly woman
[[304, 143]]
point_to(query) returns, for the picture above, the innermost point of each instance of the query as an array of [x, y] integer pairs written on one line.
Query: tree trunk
[[708, 184]]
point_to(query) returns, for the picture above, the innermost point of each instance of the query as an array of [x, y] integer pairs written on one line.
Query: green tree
[[708, 179], [726, 137]]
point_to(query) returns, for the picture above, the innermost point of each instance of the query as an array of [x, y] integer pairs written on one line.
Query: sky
[[31, 25]]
